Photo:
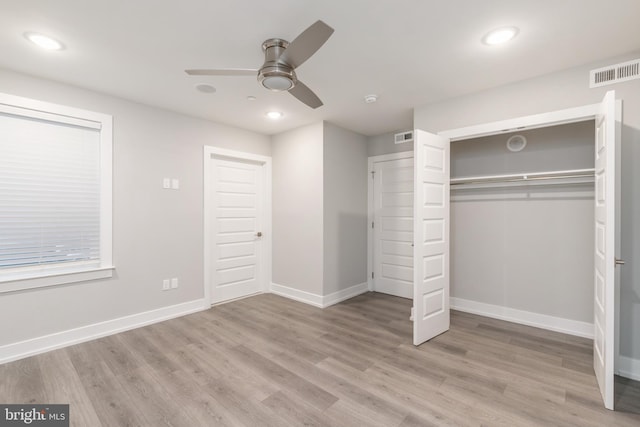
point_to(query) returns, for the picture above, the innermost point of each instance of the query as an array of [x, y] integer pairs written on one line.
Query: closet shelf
[[574, 176]]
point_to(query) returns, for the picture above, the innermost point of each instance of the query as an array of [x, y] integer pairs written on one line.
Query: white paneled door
[[393, 226], [237, 207], [431, 236], [606, 239]]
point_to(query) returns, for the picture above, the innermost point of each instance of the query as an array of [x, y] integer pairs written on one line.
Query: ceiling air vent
[[615, 73], [399, 138]]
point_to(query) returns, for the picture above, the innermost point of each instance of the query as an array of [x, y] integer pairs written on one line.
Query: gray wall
[[505, 248], [345, 208], [298, 208], [548, 149], [556, 91], [156, 233], [383, 144]]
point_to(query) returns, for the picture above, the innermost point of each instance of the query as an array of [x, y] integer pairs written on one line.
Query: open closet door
[[605, 248], [430, 236]]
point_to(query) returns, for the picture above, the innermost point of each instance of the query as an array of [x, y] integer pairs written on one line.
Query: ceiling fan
[[281, 59]]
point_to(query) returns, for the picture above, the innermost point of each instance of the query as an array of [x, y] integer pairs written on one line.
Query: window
[[55, 194]]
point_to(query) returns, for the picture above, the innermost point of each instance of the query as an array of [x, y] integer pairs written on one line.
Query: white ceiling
[[409, 52]]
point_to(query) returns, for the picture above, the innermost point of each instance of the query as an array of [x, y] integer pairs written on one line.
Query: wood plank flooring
[[269, 361]]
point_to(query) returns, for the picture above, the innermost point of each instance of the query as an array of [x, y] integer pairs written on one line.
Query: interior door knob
[[259, 234]]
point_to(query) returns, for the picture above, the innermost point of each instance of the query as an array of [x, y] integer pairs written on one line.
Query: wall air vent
[[399, 138], [617, 73]]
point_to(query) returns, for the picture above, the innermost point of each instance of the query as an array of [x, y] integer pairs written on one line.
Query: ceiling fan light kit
[[281, 58], [275, 82]]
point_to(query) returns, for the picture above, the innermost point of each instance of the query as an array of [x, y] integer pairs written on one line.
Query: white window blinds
[[49, 193]]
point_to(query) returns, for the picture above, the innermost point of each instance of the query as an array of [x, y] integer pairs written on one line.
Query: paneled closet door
[[393, 230], [606, 238], [431, 236]]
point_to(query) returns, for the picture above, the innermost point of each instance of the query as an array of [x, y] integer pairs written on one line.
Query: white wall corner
[[344, 294], [543, 321], [628, 368], [319, 300], [34, 346]]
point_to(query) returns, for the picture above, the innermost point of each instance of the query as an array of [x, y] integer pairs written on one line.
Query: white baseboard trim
[[297, 295], [629, 368], [558, 324], [344, 294], [319, 300], [31, 347]]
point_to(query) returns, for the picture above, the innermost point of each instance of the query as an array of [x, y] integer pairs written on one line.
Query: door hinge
[[372, 274], [372, 224], [372, 174]]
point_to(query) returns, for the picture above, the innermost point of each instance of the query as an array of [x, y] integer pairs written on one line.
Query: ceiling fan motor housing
[[275, 75]]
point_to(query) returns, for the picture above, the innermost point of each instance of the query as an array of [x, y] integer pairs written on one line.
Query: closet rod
[[534, 176]]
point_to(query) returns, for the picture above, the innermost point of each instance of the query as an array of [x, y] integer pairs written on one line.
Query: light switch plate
[[175, 184], [174, 283], [166, 285], [166, 183]]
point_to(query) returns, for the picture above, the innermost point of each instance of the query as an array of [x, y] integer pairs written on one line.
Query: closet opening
[[521, 226], [521, 230]]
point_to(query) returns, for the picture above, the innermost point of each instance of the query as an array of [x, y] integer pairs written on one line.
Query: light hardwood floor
[[269, 361]]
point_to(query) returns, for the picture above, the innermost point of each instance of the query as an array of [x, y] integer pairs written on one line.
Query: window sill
[[53, 279]]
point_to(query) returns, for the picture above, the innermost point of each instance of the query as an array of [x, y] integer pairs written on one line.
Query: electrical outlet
[[166, 183], [166, 285], [175, 184], [174, 283]]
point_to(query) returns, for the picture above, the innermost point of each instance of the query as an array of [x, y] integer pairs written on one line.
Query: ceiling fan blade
[[306, 44], [225, 72], [305, 95]]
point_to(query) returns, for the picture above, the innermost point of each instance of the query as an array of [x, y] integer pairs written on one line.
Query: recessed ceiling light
[[500, 35], [205, 88], [370, 99], [45, 42], [274, 115], [251, 98]]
